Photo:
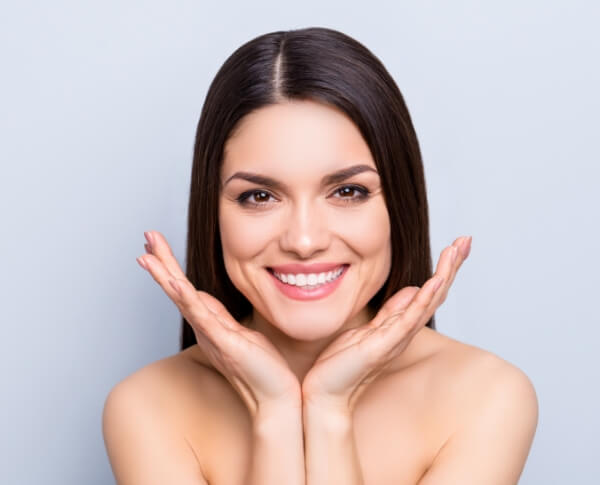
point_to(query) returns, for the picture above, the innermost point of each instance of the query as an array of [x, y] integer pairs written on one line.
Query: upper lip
[[295, 268]]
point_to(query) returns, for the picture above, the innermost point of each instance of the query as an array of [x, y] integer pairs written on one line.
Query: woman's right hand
[[245, 357]]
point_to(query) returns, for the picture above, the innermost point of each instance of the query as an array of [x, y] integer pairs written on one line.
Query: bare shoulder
[[184, 388], [487, 408], [480, 389], [477, 371], [162, 414]]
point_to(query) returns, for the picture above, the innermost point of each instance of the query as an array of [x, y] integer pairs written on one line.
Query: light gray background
[[99, 105]]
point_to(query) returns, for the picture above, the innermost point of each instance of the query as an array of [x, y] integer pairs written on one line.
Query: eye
[[254, 198], [352, 193]]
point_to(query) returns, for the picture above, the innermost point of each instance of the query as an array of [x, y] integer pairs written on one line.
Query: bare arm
[[249, 361], [277, 447], [331, 454]]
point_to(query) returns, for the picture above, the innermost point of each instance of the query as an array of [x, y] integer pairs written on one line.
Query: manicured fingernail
[[149, 238], [467, 246], [142, 263]]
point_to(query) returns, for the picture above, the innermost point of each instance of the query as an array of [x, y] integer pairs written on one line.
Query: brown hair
[[327, 66]]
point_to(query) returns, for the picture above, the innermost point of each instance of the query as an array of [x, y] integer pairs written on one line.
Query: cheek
[[367, 231], [242, 236]]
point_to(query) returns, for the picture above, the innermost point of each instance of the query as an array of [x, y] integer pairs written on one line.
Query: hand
[[352, 361], [246, 358]]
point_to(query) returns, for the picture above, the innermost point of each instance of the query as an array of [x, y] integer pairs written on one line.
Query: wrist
[[277, 419], [333, 418]]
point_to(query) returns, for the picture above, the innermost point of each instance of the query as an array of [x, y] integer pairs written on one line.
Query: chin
[[307, 324]]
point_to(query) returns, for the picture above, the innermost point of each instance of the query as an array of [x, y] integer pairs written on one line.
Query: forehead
[[293, 138]]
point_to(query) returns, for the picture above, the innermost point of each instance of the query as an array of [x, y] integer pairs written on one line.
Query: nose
[[305, 230]]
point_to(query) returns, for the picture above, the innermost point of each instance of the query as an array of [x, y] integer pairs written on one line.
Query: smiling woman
[[309, 353]]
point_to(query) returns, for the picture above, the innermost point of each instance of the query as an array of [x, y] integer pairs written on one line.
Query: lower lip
[[297, 293]]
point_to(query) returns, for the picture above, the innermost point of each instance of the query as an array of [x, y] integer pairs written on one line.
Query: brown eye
[[347, 190], [352, 193], [254, 198], [260, 196]]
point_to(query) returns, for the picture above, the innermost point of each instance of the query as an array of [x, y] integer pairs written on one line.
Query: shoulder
[[481, 374], [156, 414], [476, 377], [492, 406], [177, 388]]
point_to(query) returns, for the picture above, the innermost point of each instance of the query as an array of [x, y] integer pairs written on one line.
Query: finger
[[395, 304], [196, 312], [417, 312], [159, 273], [219, 311], [161, 249], [449, 267], [179, 290], [463, 246], [215, 306]]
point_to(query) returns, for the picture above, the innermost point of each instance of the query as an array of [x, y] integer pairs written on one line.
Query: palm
[[355, 358]]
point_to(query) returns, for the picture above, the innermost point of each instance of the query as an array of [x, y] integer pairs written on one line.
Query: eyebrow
[[332, 178]]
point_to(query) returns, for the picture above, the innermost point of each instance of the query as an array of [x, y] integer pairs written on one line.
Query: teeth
[[309, 280]]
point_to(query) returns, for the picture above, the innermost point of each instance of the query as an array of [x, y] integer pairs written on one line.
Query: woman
[[309, 352]]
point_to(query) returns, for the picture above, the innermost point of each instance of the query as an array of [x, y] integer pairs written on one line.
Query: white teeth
[[309, 280]]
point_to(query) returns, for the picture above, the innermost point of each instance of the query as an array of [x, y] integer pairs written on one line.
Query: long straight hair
[[327, 66]]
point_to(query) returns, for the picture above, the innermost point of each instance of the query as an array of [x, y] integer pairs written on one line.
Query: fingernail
[[142, 263], [149, 238], [454, 253], [467, 246]]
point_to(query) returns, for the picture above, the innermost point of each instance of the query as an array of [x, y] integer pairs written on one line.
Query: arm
[[277, 447], [145, 448], [331, 454], [493, 445]]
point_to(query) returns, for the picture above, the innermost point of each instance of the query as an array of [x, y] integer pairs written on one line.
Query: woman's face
[[287, 204]]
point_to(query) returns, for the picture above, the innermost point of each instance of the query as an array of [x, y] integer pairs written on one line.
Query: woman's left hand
[[352, 361]]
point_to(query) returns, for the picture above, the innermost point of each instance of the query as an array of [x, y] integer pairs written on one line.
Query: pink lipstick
[[308, 282]]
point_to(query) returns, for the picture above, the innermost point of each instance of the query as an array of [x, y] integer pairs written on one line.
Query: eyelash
[[244, 198]]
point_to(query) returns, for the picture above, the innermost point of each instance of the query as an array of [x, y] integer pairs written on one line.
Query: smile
[[308, 286]]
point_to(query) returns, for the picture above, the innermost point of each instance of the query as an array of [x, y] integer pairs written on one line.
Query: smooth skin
[[327, 395], [324, 391]]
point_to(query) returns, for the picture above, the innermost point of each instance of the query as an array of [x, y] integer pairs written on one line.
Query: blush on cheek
[[244, 237], [367, 232]]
